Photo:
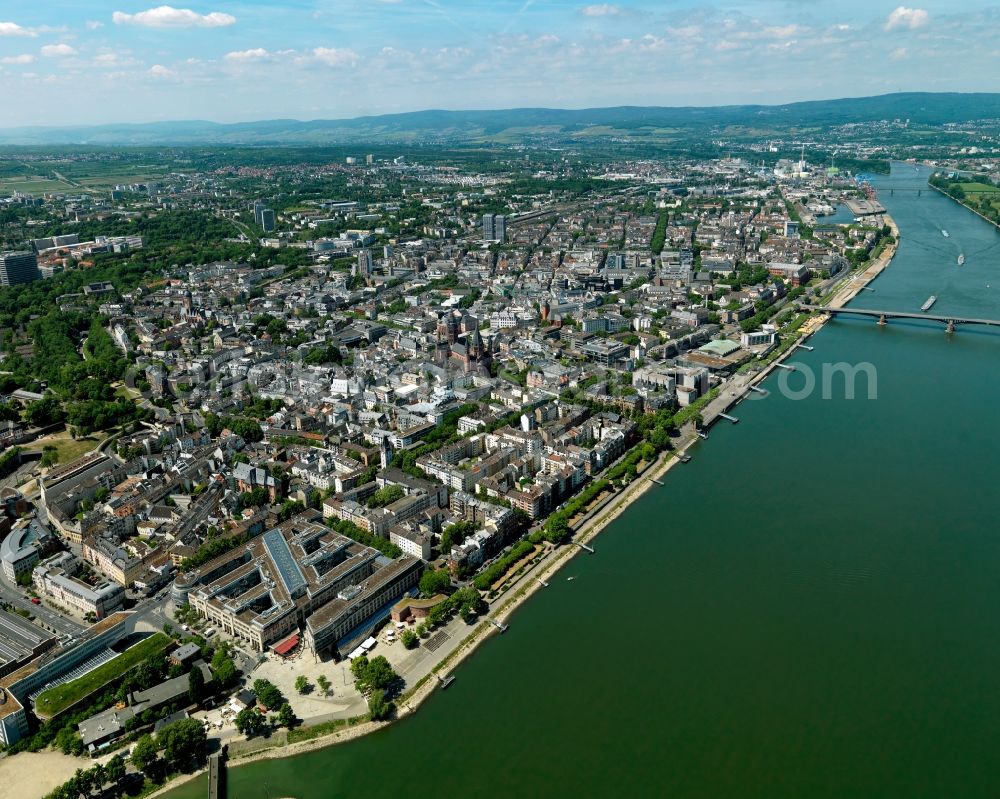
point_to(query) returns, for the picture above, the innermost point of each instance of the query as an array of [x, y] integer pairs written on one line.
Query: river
[[810, 608]]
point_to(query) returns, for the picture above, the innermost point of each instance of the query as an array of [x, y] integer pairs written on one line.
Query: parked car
[[36, 601]]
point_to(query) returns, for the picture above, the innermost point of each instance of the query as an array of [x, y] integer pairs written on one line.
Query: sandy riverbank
[[31, 775]]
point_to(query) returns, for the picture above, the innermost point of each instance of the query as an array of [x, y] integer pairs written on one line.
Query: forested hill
[[526, 123]]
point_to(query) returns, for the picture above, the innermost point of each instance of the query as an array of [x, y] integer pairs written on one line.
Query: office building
[[299, 574], [365, 264], [267, 220], [18, 267], [495, 228]]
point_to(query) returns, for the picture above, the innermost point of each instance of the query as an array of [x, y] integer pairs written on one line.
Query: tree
[[268, 694], [144, 753], [250, 721], [223, 668], [302, 684], [385, 496], [434, 582], [196, 685], [324, 684], [115, 770], [98, 775], [286, 716], [410, 639], [378, 708], [183, 741], [379, 674], [69, 742]]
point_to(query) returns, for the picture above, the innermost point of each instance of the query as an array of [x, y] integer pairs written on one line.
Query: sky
[[72, 62]]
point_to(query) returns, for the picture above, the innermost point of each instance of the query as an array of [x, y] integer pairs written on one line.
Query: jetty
[[729, 418], [501, 627], [216, 776]]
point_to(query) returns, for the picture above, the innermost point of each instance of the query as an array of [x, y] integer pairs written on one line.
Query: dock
[[446, 681], [729, 418], [585, 547], [216, 776], [703, 435], [806, 347], [654, 480], [501, 627], [785, 366], [758, 390], [685, 458], [542, 582]]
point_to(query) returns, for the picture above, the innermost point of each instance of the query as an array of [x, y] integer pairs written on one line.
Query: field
[[979, 188], [60, 697], [69, 449], [34, 184]]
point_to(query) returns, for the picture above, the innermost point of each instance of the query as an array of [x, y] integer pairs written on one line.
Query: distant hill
[[521, 124]]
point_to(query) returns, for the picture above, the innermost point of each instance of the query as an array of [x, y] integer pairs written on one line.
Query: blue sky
[[73, 62]]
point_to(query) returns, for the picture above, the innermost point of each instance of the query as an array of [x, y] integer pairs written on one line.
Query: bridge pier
[[950, 328], [881, 320]]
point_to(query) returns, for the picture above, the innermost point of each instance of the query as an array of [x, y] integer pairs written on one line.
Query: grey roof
[[105, 725], [289, 571], [186, 651]]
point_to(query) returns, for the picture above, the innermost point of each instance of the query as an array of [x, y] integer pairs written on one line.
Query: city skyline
[[240, 61]]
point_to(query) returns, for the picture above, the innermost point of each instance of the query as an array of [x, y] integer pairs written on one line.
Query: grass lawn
[[69, 449], [978, 188], [33, 185], [57, 699]]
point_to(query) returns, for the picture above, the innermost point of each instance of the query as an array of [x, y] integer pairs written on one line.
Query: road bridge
[[950, 322]]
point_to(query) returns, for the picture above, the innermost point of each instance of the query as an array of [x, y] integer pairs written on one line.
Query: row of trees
[[96, 778], [182, 745]]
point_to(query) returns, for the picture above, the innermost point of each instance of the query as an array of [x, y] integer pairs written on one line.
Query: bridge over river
[[950, 322]]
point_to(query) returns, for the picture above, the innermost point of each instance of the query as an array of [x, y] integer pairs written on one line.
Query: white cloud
[[903, 17], [13, 29], [898, 54], [57, 51], [335, 57], [782, 31], [256, 54], [93, 24], [27, 58], [170, 17], [160, 71], [601, 10]]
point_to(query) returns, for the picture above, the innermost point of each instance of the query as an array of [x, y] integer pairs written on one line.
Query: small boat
[[961, 259], [945, 234], [570, 579], [685, 458], [930, 301], [446, 681]]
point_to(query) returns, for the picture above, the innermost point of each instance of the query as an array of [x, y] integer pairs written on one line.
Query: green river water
[[810, 608]]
